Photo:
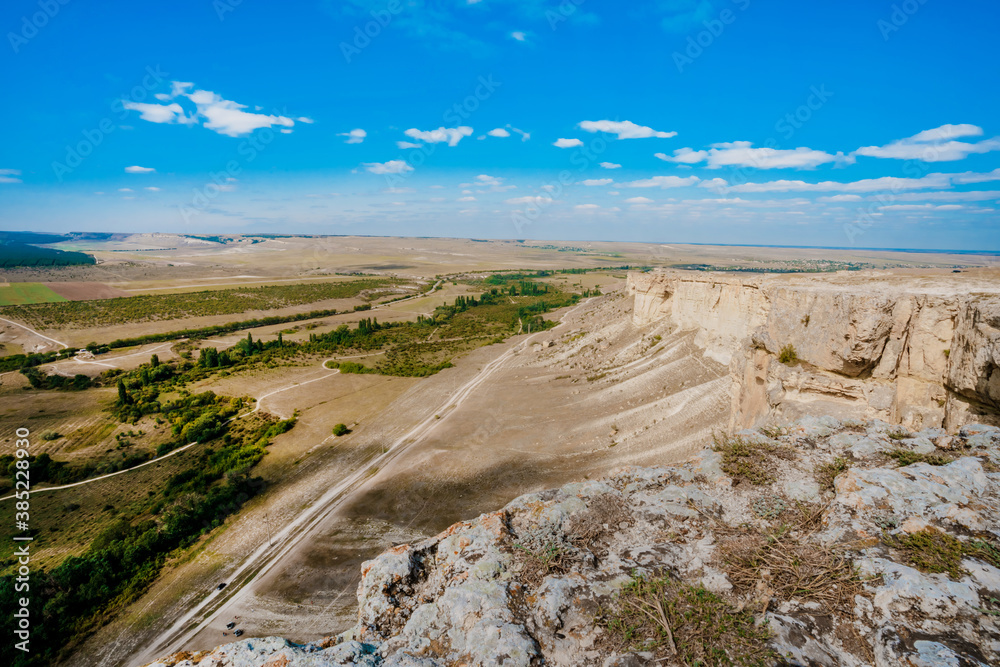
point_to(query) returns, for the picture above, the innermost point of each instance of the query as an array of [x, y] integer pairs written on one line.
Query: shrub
[[689, 624], [788, 355], [744, 459], [341, 429]]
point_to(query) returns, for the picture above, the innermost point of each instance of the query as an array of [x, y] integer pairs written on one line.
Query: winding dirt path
[[266, 556], [331, 371], [30, 330]]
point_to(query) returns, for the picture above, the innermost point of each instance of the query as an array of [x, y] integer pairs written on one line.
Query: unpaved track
[[30, 330], [266, 556], [158, 459]]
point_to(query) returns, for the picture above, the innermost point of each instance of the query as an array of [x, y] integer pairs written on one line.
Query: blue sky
[[860, 123]]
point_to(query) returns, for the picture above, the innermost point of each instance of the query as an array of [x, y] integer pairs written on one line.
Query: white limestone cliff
[[906, 349]]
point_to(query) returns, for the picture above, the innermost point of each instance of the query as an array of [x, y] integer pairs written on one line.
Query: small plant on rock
[[827, 472], [905, 457], [686, 624], [788, 355], [745, 459], [768, 507], [930, 550]]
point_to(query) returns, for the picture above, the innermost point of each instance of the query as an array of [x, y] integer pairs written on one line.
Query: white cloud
[[610, 165], [742, 154], [586, 207], [973, 177], [153, 188], [839, 198], [355, 136], [136, 169], [498, 132], [921, 207], [936, 145], [124, 189], [529, 200], [749, 203], [566, 143], [390, 167], [159, 113], [518, 35], [466, 199], [885, 183], [303, 119], [684, 156], [714, 183], [524, 135], [10, 176], [451, 135], [662, 182], [228, 118], [486, 179], [597, 181], [407, 144], [220, 115], [625, 129], [981, 195], [494, 183], [638, 200]]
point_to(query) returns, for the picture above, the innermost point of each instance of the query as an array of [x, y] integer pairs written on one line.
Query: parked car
[[230, 625], [221, 586], [238, 633]]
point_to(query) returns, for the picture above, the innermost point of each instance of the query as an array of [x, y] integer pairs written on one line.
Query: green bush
[[341, 429], [788, 355]]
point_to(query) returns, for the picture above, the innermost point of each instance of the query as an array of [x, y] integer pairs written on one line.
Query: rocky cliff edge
[[820, 543]]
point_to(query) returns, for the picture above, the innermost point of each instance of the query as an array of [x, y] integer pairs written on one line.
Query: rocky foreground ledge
[[820, 543]]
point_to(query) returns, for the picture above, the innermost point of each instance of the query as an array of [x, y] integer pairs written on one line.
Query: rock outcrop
[[909, 350], [838, 543]]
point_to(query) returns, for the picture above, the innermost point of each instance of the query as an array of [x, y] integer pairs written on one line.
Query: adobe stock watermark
[[898, 17], [548, 193], [93, 137], [786, 126], [866, 216], [562, 13], [22, 518], [222, 181], [31, 25], [364, 34], [223, 7], [698, 42], [453, 116]]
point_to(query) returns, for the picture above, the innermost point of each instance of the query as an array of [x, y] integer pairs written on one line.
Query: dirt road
[[265, 557]]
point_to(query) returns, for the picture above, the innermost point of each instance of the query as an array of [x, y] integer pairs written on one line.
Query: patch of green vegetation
[[76, 597], [154, 307], [930, 550], [898, 434], [341, 429], [788, 355], [14, 254], [827, 472], [749, 460], [905, 457], [20, 293], [687, 624], [984, 551], [768, 507]]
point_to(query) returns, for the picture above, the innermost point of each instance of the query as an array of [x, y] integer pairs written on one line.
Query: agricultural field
[[15, 294], [152, 308]]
